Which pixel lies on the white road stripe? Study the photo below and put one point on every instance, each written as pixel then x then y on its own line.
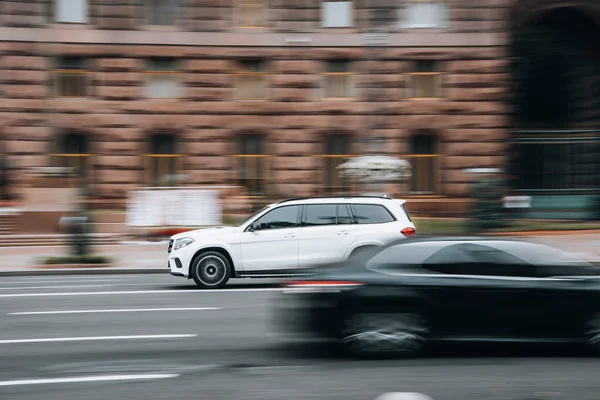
pixel 115 311
pixel 77 286
pixel 95 338
pixel 56 287
pixel 79 379
pixel 54 280
pixel 141 292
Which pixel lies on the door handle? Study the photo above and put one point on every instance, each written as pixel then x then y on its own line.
pixel 345 233
pixel 291 235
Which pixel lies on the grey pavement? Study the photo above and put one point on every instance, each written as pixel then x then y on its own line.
pixel 172 341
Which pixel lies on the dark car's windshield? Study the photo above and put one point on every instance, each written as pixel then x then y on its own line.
pixel 242 222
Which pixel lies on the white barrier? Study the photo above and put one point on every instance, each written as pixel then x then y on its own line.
pixel 151 207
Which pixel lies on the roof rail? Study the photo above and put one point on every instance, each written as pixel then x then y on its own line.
pixel 383 197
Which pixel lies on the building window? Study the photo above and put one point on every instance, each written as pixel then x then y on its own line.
pixel 337 150
pixel 338 80
pixel 71 11
pixel 251 80
pixel 71 77
pixel 424 157
pixel 425 81
pixel 424 14
pixel 251 164
pixel 336 14
pixel 162 160
pixel 71 151
pixel 251 13
pixel 162 12
pixel 163 80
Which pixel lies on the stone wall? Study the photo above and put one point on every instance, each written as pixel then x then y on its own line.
pixel 470 121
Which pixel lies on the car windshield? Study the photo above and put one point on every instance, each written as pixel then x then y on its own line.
pixel 242 222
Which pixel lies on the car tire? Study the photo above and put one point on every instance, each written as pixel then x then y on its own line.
pixel 385 334
pixel 210 270
pixel 592 333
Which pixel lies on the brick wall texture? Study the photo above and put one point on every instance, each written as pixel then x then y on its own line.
pixel 470 120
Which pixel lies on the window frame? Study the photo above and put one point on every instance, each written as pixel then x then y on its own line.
pixel 297 224
pixel 147 8
pixel 150 157
pixel 59 72
pixel 327 157
pixel 240 73
pixel 412 76
pixel 436 168
pixel 241 6
pixel 442 24
pixel 349 83
pixel 54 13
pixel 352 22
pixel 149 73
pixel 60 158
pixel 239 155
pixel 355 218
pixel 337 214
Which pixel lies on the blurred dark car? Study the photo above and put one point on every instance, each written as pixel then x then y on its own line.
pixel 398 299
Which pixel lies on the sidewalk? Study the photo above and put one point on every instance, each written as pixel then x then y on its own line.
pixel 149 257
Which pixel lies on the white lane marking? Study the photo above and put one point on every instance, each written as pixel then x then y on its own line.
pixel 403 396
pixel 77 286
pixel 68 281
pixel 79 379
pixel 95 338
pixel 115 311
pixel 56 287
pixel 141 292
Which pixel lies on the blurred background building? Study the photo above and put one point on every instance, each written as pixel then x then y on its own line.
pixel 270 96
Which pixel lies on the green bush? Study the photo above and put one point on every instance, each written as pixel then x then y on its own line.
pixel 89 259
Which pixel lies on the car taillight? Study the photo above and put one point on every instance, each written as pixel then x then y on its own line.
pixel 408 232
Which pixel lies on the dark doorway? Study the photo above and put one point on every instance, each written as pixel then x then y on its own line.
pixel 555 152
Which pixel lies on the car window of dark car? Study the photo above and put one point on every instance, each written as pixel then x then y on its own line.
pixel 320 214
pixel 279 218
pixel 371 214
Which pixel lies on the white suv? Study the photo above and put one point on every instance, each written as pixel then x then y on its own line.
pixel 288 236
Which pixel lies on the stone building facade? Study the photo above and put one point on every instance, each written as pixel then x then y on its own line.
pixel 268 95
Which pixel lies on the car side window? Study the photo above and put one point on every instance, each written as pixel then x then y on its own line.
pixel 320 214
pixel 480 269
pixel 371 214
pixel 280 218
pixel 343 215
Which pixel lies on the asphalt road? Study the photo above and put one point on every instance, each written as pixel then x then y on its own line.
pixel 158 337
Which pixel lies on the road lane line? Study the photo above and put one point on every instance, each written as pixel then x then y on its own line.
pixel 77 286
pixel 115 311
pixel 57 287
pixel 79 379
pixel 141 292
pixel 69 281
pixel 95 338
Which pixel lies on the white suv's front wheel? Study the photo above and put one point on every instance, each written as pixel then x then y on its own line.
pixel 211 270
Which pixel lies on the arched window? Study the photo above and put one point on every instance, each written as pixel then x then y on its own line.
pixel 251 164
pixel 337 149
pixel 162 160
pixel 424 157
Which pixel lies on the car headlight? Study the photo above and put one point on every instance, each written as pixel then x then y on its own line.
pixel 179 243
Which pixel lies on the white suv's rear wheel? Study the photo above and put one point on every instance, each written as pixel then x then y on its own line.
pixel 211 270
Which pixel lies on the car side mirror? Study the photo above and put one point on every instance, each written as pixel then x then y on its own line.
pixel 255 226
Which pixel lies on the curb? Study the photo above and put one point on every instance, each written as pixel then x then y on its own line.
pixel 84 271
